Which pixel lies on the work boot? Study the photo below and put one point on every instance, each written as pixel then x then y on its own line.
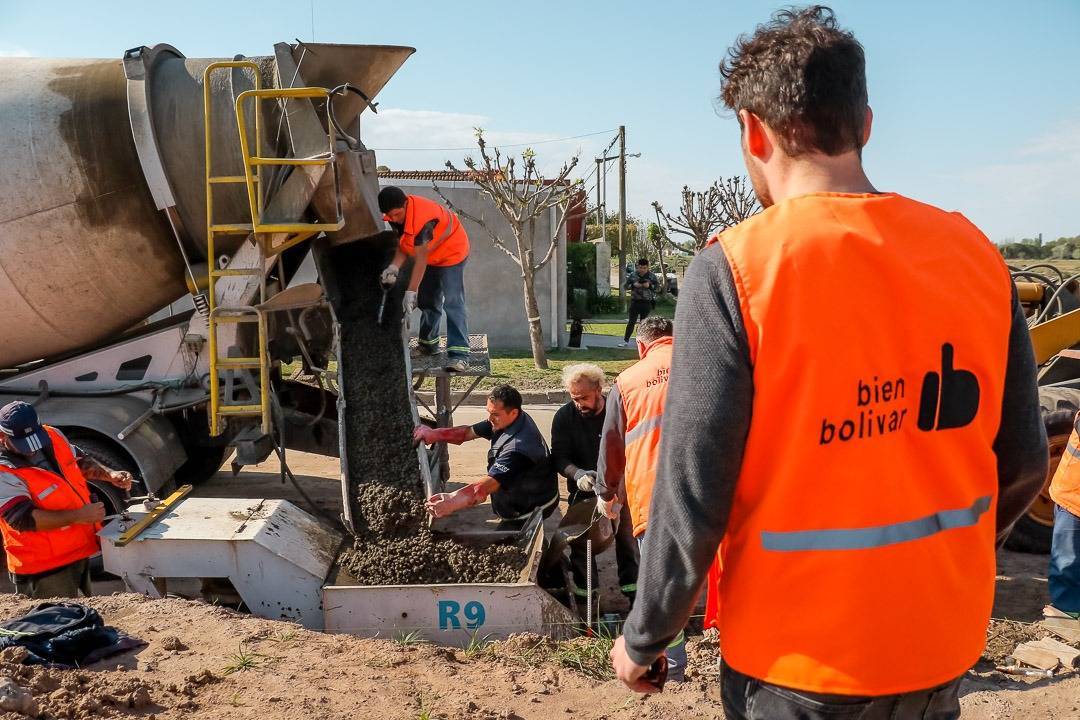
pixel 422 350
pixel 457 364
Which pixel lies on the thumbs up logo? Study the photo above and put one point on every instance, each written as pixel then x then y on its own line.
pixel 949 399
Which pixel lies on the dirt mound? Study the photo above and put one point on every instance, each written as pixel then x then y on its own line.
pixel 206 663
pixel 393 545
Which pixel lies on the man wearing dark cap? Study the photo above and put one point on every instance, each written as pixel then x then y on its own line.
pixel 435 239
pixel 48 518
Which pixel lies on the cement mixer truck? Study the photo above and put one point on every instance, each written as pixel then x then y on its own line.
pixel 188 191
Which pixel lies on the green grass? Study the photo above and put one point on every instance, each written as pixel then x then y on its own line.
pixel 517 367
pixel 242 660
pixel 479 645
pixel 408 639
pixel 586 655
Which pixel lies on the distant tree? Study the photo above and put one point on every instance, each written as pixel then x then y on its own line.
pixel 702 214
pixel 523 195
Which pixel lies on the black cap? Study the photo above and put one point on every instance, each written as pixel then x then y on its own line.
pixel 20 423
pixel 391 198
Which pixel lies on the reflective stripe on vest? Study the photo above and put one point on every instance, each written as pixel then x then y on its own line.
pixel 37 551
pixel 1065 485
pixel 643 391
pixel 875 537
pixel 868 483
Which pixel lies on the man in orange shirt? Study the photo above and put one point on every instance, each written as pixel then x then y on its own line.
pixel 856 432
pixel 435 239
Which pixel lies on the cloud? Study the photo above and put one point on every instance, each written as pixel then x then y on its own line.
pixel 14 51
pixel 1033 190
pixel 426 139
pixel 400 138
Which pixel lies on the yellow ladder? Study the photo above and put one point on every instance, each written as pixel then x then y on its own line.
pixel 264 236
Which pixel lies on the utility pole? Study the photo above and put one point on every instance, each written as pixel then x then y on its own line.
pixel 622 207
pixel 603 202
pixel 599 209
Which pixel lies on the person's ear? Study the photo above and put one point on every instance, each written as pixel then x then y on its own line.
pixel 755 138
pixel 866 126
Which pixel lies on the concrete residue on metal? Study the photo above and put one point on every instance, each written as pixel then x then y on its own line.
pixel 393 545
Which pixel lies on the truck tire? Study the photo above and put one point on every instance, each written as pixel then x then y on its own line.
pixel 1033 532
pixel 114 458
pixel 201 465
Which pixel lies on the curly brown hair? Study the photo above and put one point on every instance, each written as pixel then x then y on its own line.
pixel 804 76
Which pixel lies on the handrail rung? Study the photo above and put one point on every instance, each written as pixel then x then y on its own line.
pixel 221 179
pixel 232 228
pixel 231 272
pixel 239 363
pixel 240 410
pixel 291 161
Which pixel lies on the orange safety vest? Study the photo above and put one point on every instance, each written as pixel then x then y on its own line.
pixel 37 551
pixel 859 555
pixel 1065 485
pixel 449 244
pixel 643 389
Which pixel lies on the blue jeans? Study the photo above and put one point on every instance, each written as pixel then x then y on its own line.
pixel 443 288
pixel 1064 578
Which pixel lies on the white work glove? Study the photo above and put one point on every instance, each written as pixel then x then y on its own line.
pixel 609 508
pixel 585 479
pixel 409 303
pixel 389 275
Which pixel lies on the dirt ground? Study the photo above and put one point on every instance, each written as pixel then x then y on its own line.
pixel 203 661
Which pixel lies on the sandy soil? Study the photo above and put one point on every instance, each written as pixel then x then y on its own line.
pixel 203 661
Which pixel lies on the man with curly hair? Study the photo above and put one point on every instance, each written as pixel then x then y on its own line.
pixel 858 433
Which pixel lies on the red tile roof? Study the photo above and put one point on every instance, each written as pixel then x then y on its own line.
pixel 429 175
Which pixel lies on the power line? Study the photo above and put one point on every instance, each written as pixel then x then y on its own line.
pixel 473 147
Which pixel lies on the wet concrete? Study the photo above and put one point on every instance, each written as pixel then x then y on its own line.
pixel 393 544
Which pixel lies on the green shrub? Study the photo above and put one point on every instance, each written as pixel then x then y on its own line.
pixel 606 305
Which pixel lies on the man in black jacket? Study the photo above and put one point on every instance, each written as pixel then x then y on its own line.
pixel 575 449
pixel 643 286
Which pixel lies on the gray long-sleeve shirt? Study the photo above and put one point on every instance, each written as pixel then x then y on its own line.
pixel 706 423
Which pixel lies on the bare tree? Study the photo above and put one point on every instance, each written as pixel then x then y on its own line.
pixel 702 214
pixel 523 195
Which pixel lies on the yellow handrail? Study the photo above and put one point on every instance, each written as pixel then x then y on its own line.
pixel 211 253
pixel 257 161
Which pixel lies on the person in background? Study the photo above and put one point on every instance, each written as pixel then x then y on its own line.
pixel 643 286
pixel 630 444
pixel 435 239
pixel 575 450
pixel 48 518
pixel 1064 577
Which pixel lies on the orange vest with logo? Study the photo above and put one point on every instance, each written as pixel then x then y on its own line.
pixel 859 555
pixel 1065 485
pixel 643 390
pixel 449 245
pixel 37 551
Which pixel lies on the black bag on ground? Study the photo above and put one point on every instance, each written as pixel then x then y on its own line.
pixel 64 634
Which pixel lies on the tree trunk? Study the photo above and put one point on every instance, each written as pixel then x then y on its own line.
pixel 663 267
pixel 532 312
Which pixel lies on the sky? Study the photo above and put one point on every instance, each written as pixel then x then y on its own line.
pixel 976 104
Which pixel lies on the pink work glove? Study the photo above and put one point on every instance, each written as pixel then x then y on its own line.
pixel 443 504
pixel 430 435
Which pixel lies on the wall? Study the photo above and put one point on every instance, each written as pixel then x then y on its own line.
pixel 603 267
pixel 493 288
